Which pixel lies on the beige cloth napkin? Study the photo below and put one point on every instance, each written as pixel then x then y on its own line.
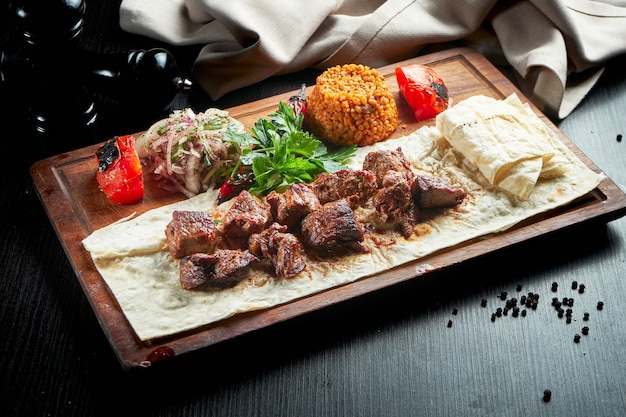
pixel 558 47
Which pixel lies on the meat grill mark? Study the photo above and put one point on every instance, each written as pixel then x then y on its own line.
pixel 221 269
pixel 290 207
pixel 247 215
pixel 345 183
pixel 382 161
pixel 190 232
pixel 283 249
pixel 430 191
pixel 332 229
pixel 394 201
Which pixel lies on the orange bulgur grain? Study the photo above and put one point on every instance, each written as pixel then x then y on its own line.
pixel 351 104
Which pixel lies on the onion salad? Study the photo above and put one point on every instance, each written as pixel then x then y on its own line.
pixel 186 151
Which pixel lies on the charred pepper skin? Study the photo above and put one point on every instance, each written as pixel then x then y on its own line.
pixel 120 174
pixel 107 154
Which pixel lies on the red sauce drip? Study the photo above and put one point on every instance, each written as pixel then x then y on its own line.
pixel 160 353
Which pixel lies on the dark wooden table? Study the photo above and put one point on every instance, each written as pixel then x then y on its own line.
pixel 391 353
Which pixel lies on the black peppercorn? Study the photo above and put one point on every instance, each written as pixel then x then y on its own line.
pixel 586 316
pixel 547 395
pixel 600 305
pixel 581 288
pixel 449 323
pixel 574 285
pixel 585 330
pixel 576 338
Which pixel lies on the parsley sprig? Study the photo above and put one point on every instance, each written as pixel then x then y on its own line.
pixel 280 152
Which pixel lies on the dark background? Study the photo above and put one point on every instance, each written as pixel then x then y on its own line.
pixel 390 353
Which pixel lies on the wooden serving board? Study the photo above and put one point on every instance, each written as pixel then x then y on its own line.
pixel 68 190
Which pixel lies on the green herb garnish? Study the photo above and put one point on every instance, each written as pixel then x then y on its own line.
pixel 281 153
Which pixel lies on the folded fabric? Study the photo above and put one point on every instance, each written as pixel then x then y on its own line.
pixel 558 47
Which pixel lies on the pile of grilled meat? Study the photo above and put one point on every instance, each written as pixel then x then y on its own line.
pixel 316 219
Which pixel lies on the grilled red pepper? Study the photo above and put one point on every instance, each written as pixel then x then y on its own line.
pixel 120 175
pixel 423 89
pixel 236 183
pixel 298 102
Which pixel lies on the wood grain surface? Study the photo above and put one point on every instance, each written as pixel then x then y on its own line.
pixel 68 190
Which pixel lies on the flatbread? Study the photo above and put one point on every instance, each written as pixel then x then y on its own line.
pixel 505 140
pixel 132 257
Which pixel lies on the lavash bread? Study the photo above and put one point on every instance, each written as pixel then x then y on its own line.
pixel 133 259
pixel 510 145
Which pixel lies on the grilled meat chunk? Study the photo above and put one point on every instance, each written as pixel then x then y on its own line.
pixel 291 206
pixel 379 162
pixel 345 183
pixel 394 201
pixel 220 269
pixel 283 249
pixel 430 191
pixel 190 232
pixel 246 216
pixel 286 254
pixel 333 228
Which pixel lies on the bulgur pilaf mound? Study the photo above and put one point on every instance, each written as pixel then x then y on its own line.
pixel 351 104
